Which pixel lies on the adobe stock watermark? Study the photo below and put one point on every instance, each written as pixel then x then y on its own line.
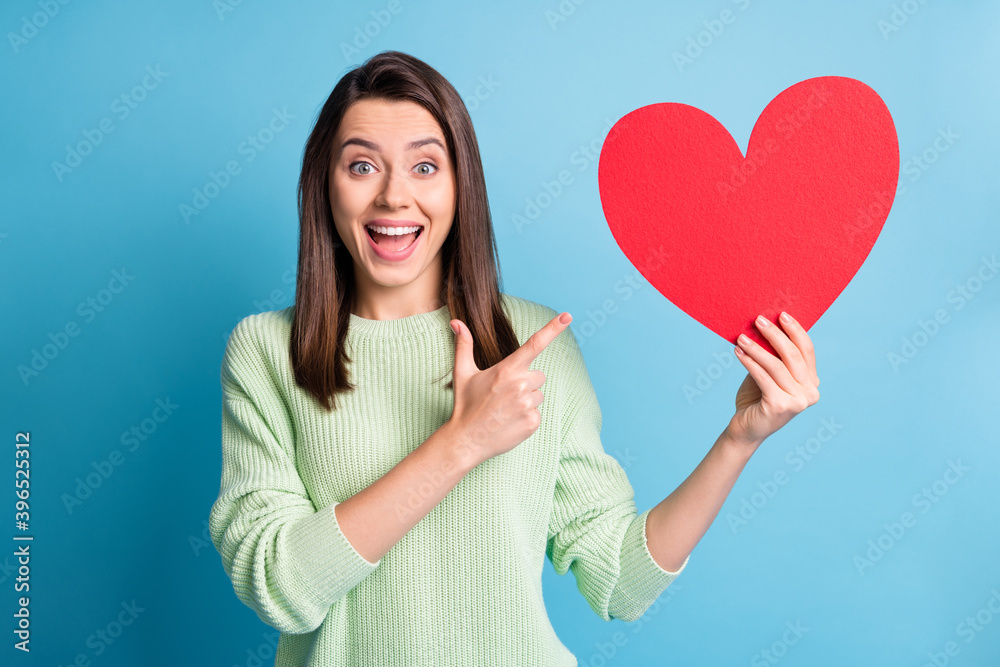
pixel 225 7
pixel 467 446
pixel 779 648
pixel 704 39
pixel 562 12
pixel 705 378
pixel 365 33
pixel 426 489
pixel 121 107
pixel 482 92
pixel 917 165
pixel 583 430
pixel 914 167
pixel 202 540
pixel 625 459
pixel 131 440
pixel 787 125
pixel 264 653
pixel 37 21
pixel 582 158
pixel 900 16
pixel 878 209
pixel 7 569
pixel 606 651
pixel 88 310
pixel 277 299
pixel 967 630
pixel 796 459
pixel 532 552
pixel 104 637
pixel 250 148
pixel 924 500
pixel 593 320
pixel 958 296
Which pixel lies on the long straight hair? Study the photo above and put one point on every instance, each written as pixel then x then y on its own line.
pixel 324 292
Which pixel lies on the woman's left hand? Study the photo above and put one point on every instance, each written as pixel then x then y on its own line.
pixel 775 389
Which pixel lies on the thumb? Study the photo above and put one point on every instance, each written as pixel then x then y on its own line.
pixel 465 364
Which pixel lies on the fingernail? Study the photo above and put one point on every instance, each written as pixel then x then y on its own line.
pixel 762 321
pixel 454 328
pixel 744 339
pixel 565 318
pixel 785 317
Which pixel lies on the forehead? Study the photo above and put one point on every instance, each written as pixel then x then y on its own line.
pixel 388 120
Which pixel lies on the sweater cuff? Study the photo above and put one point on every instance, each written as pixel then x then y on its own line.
pixel 642 579
pixel 322 557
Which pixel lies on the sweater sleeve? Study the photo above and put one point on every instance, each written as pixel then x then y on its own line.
pixel 288 561
pixel 594 529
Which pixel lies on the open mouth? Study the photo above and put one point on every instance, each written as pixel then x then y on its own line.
pixel 394 239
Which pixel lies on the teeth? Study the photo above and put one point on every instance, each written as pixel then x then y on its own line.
pixel 393 231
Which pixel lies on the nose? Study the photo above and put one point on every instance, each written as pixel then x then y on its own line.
pixel 395 190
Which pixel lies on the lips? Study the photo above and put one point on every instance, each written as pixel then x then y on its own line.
pixel 372 233
pixel 388 252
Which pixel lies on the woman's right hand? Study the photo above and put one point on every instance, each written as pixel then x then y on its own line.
pixel 496 409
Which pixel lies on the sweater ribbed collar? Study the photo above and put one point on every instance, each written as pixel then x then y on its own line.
pixel 402 327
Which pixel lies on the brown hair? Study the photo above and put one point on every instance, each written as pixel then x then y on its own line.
pixel 324 292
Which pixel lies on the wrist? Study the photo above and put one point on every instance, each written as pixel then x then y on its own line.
pixel 458 447
pixel 739 443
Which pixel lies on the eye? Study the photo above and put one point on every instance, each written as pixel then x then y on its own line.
pixel 424 172
pixel 363 164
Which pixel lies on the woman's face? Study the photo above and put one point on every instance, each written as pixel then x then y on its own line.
pixel 390 168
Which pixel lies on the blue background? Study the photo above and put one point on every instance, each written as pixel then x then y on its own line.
pixel 553 85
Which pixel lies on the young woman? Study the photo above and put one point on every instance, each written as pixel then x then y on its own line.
pixel 392 477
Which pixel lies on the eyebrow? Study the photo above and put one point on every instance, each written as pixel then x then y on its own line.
pixel 371 145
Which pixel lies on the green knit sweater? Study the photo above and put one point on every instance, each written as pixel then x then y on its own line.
pixel 464 586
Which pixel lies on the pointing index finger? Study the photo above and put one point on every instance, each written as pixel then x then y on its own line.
pixel 524 355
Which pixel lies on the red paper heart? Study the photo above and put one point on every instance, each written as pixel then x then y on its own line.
pixel 726 238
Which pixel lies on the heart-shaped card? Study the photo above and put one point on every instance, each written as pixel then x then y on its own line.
pixel 726 237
